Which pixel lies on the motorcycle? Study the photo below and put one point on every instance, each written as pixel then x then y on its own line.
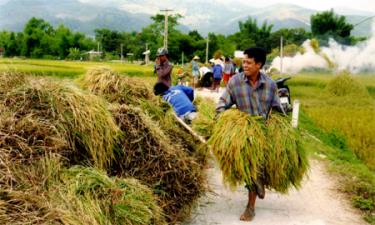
pixel 284 94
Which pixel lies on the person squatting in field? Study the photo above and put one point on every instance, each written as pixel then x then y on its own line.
pixel 180 97
pixel 255 93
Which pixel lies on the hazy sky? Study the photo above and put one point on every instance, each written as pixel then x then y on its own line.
pixel 365 5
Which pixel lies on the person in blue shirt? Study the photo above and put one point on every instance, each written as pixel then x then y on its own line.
pixel 180 97
pixel 217 70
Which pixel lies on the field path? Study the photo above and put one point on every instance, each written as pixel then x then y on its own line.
pixel 317 203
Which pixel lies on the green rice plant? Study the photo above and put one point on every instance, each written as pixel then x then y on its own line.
pixel 355 178
pixel 356 124
pixel 205 120
pixel 286 160
pixel 238 141
pixel 82 118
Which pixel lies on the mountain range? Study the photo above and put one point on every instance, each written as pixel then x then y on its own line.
pixel 131 15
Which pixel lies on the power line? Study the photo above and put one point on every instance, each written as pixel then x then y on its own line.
pixel 364 20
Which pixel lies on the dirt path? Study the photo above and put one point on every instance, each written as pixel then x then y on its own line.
pixel 317 203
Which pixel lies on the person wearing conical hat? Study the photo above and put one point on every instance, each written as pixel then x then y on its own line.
pixel 195 70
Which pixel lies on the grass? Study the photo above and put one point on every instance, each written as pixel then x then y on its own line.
pixel 345 128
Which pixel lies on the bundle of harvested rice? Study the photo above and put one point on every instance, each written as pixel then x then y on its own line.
pixel 205 122
pixel 26 201
pixel 25 139
pixel 78 117
pixel 89 196
pixel 23 207
pixel 145 152
pixel 286 160
pixel 238 142
pixel 113 87
pixel 128 90
pixel 246 149
pixel 345 85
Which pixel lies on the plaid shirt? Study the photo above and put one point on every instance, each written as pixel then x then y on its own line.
pixel 256 100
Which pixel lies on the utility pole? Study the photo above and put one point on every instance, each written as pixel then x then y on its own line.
pixel 182 58
pixel 207 49
pixel 122 55
pixel 147 55
pixel 166 26
pixel 281 55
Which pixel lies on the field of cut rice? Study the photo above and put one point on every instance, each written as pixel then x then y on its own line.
pixel 336 109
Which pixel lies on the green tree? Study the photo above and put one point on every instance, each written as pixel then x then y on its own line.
pixel 290 36
pixel 37 33
pixel 251 34
pixel 109 40
pixel 327 24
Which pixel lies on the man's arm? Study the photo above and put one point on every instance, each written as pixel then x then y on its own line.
pixel 164 70
pixel 225 101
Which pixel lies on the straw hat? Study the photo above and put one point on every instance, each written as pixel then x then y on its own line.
pixel 196 57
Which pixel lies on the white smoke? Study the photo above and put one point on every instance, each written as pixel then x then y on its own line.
pixel 352 58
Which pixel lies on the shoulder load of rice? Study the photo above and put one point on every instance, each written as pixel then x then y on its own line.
pixel 247 148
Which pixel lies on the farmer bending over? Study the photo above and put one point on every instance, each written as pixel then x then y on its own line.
pixel 255 93
pixel 180 97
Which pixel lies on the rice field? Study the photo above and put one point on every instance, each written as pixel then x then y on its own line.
pixel 69 69
pixel 344 124
pixel 340 114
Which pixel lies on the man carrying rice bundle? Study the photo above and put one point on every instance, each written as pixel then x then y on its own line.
pixel 255 93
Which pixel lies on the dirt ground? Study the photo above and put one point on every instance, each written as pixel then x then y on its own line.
pixel 317 203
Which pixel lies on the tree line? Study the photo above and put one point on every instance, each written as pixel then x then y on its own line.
pixel 41 40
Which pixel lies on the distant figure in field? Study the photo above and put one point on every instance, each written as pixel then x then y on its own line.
pixel 217 70
pixel 195 70
pixel 228 70
pixel 163 68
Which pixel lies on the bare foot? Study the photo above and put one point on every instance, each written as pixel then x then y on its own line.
pixel 248 214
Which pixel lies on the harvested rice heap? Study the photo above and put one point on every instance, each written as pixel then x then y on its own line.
pixel 344 85
pixel 46 113
pixel 154 147
pixel 119 89
pixel 147 154
pixel 47 127
pixel 247 148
